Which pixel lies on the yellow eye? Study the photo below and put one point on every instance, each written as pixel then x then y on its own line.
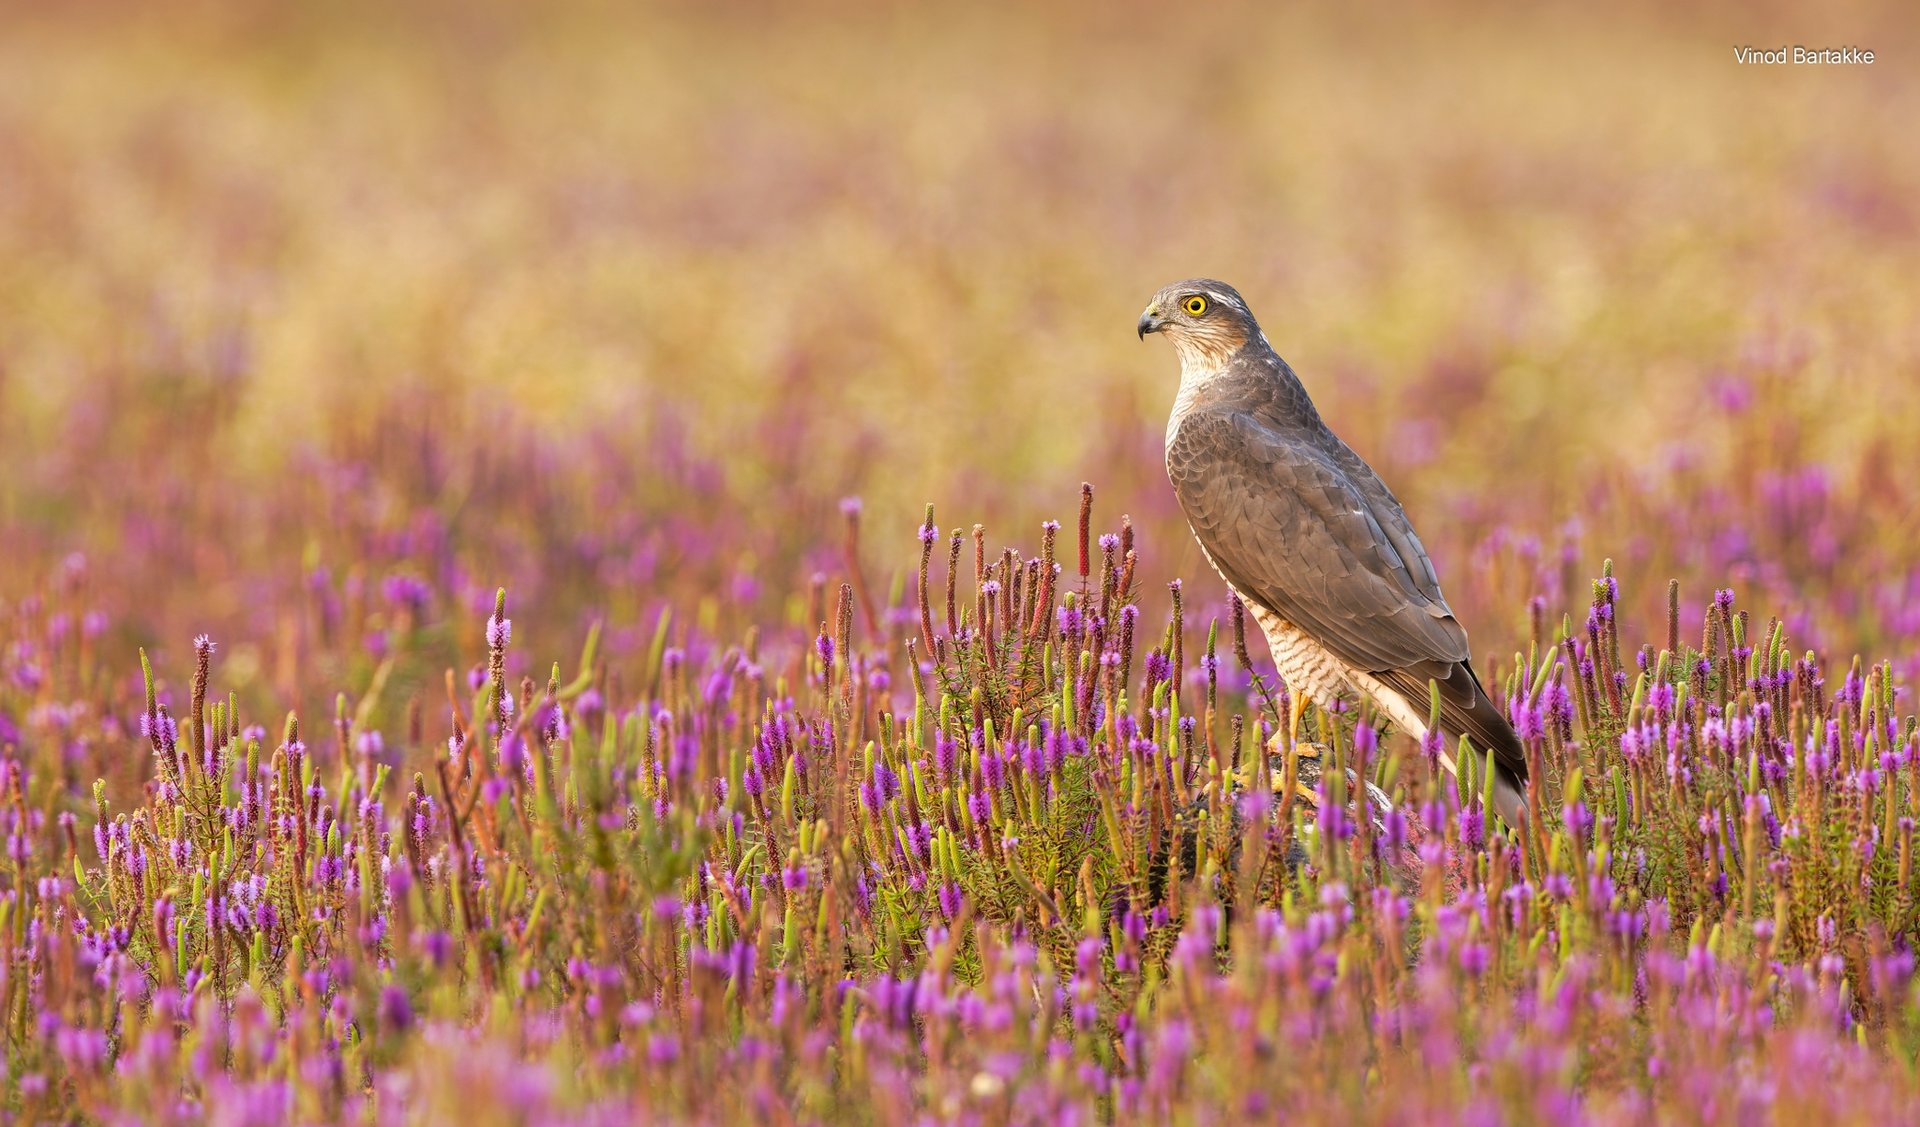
pixel 1196 305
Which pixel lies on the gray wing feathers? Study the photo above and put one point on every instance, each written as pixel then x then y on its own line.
pixel 1287 526
pixel 1325 546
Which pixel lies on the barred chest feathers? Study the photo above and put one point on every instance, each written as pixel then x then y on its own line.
pixel 1311 670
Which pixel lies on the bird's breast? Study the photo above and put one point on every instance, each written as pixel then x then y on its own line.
pixel 1195 380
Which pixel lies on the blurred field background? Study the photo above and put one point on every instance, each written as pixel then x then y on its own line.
pixel 533 292
pixel 318 324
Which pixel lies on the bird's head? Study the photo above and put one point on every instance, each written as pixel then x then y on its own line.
pixel 1206 320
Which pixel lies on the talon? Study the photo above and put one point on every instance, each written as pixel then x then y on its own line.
pixel 1301 749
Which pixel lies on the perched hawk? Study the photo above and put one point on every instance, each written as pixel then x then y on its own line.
pixel 1312 539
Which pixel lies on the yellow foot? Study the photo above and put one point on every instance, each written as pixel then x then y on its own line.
pixel 1307 760
pixel 1304 749
pixel 1304 785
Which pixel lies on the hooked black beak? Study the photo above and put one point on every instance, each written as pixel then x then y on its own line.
pixel 1150 321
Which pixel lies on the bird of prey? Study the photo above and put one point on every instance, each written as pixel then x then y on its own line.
pixel 1311 538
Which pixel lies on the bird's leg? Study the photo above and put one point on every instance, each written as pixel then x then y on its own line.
pixel 1310 745
pixel 1295 776
pixel 1296 708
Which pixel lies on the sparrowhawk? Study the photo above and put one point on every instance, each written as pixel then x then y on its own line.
pixel 1311 538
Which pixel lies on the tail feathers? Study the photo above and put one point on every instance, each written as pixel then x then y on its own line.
pixel 1466 710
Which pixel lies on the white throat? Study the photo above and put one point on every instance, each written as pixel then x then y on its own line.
pixel 1199 368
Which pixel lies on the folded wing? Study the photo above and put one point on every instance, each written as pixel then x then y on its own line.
pixel 1336 557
